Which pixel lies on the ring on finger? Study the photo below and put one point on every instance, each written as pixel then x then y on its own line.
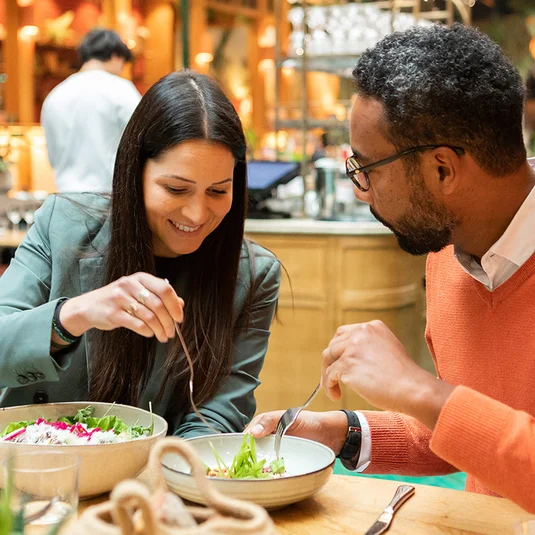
pixel 132 309
pixel 144 294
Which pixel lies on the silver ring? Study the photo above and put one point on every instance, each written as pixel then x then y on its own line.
pixel 143 296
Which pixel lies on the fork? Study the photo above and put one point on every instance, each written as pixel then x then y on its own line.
pixel 288 419
pixel 190 364
pixel 191 377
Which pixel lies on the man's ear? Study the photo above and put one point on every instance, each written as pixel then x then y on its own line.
pixel 446 165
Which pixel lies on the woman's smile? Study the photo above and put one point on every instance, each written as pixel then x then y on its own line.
pixel 186 230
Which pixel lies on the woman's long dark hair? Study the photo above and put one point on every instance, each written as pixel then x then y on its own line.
pixel 181 106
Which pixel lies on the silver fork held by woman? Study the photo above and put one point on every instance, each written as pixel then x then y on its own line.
pixel 288 419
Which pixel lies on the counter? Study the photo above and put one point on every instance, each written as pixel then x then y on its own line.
pixel 363 227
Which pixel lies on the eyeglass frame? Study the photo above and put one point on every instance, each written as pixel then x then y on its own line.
pixel 352 174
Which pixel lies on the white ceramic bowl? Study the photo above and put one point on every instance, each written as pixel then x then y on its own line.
pixel 308 464
pixel 102 466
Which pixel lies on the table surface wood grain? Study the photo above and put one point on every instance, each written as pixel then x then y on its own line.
pixel 350 505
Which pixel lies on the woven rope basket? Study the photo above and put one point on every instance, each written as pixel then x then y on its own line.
pixel 133 510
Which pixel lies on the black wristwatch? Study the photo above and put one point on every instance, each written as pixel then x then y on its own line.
pixel 350 452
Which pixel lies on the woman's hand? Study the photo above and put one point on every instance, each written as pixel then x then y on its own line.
pixel 140 302
pixel 329 428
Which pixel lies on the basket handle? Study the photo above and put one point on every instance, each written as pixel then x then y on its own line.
pixel 124 497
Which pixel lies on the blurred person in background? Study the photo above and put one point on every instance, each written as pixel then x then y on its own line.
pixel 84 116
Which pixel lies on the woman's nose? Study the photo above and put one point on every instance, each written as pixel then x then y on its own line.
pixel 196 211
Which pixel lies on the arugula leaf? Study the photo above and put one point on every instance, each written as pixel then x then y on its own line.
pixel 219 461
pixel 277 466
pixel 245 464
pixel 83 414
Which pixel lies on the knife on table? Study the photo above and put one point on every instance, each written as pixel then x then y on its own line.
pixel 403 493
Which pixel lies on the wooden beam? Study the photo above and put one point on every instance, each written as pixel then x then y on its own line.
pixel 159 46
pixel 197 29
pixel 11 58
pixel 26 78
pixel 109 14
pixel 256 78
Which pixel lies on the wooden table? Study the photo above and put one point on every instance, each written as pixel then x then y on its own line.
pixel 349 505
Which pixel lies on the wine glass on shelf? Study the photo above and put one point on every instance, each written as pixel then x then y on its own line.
pixel 28 214
pixel 14 216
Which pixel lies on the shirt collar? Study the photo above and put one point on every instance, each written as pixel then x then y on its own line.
pixel 517 243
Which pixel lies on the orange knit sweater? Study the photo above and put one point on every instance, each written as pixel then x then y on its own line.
pixel 484 342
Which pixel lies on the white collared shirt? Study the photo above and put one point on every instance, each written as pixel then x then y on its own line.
pixel 498 264
pixel 510 252
pixel 83 119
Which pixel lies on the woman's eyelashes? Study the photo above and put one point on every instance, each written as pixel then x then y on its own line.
pixel 181 191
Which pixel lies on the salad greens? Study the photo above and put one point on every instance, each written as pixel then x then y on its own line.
pixel 245 464
pixel 85 416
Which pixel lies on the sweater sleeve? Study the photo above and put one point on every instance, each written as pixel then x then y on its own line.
pixel 400 445
pixel 490 440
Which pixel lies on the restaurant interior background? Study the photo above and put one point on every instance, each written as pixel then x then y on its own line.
pixel 286 66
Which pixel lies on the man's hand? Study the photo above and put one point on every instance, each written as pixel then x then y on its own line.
pixel 370 360
pixel 329 428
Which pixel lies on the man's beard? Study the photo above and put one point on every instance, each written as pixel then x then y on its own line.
pixel 425 228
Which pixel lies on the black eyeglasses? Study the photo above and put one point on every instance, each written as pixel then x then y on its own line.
pixel 359 173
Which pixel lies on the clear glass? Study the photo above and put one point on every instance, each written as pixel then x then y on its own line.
pixel 44 487
pixel 525 528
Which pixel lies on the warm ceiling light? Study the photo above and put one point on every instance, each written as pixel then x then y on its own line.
pixel 203 57
pixel 131 44
pixel 266 64
pixel 28 31
pixel 24 3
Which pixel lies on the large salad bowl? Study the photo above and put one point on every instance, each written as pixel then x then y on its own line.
pixel 101 465
pixel 308 467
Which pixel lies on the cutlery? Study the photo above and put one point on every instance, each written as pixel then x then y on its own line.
pixel 403 493
pixel 288 418
pixel 191 374
pixel 190 364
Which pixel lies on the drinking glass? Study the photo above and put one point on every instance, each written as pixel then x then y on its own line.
pixel 44 488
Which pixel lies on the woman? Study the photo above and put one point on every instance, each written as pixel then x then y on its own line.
pixel 177 212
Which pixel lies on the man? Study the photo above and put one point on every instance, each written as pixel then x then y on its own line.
pixel 84 116
pixel 436 132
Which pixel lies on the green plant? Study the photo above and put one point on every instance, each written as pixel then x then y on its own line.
pixel 3 166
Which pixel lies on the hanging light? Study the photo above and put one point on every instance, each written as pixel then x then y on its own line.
pixel 27 32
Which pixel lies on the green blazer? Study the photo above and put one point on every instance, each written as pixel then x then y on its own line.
pixel 49 265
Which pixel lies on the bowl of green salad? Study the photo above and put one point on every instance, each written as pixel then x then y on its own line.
pixel 247 469
pixel 112 441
